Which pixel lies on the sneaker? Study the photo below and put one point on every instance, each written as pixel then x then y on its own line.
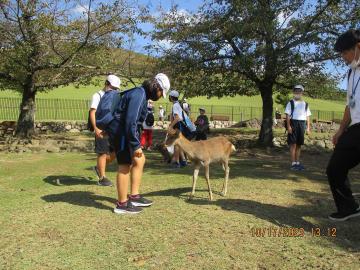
pixel 105 182
pixel 175 165
pixel 126 208
pixel 294 167
pixel 300 167
pixel 183 163
pixel 95 169
pixel 140 201
pixel 342 217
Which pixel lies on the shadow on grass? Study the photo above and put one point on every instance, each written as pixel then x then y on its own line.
pixel 67 180
pixel 80 198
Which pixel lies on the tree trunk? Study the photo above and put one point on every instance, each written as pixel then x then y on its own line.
pixel 26 121
pixel 266 132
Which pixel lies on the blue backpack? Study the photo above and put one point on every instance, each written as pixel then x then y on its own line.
pixel 105 112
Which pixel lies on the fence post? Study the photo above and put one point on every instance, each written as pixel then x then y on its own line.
pixel 333 116
pixel 251 112
pixel 211 111
pixel 318 113
pixel 232 113
pixel 241 116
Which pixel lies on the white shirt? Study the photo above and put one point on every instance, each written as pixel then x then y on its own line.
pixel 299 110
pixel 176 109
pixel 96 99
pixel 161 113
pixel 354 112
pixel 186 107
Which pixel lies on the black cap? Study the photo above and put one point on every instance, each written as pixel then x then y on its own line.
pixel 347 40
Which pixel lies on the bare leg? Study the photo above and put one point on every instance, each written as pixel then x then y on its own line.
pixel 208 181
pixel 293 152
pixel 110 158
pixel 101 164
pixel 136 174
pixel 175 157
pixel 195 176
pixel 122 182
pixel 227 170
pixel 297 153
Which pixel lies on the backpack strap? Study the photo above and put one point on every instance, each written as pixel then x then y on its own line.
pixel 306 106
pixel 349 73
pixel 292 105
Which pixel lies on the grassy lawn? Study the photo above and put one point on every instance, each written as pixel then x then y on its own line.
pixel 85 93
pixel 54 216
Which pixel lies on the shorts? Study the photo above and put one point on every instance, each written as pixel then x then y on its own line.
pixel 121 147
pixel 102 146
pixel 298 132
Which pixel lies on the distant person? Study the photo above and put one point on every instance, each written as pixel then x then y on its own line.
pixel 161 113
pixel 124 136
pixel 298 121
pixel 277 116
pixel 176 117
pixel 147 133
pixel 105 154
pixel 346 154
pixel 186 107
pixel 202 125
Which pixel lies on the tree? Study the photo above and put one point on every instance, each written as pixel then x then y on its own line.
pixel 46 44
pixel 234 47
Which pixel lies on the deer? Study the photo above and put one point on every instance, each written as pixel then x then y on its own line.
pixel 203 153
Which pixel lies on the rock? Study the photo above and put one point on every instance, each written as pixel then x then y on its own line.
pixel 53 149
pixel 68 127
pixel 320 143
pixel 74 130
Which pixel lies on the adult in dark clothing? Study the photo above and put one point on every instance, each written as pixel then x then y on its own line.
pixel 347 139
pixel 202 125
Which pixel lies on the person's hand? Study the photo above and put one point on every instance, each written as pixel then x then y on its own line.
pixel 138 153
pixel 289 130
pixel 99 133
pixel 336 137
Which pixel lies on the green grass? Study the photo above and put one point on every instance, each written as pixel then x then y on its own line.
pixel 71 226
pixel 85 92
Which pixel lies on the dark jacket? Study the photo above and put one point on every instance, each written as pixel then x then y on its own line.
pixel 131 114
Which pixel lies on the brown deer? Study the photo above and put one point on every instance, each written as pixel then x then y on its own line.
pixel 203 153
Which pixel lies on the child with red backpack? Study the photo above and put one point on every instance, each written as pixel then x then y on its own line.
pixel 297 122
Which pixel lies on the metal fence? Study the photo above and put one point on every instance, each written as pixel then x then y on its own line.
pixel 68 109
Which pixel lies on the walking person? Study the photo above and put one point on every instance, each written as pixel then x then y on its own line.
pixel 298 121
pixel 147 132
pixel 346 154
pixel 202 125
pixel 105 154
pixel 161 113
pixel 124 136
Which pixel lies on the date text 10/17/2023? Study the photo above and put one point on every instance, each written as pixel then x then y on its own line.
pixel 291 232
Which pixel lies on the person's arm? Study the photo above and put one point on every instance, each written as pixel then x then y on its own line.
pixel 308 125
pixel 343 125
pixel 175 120
pixel 134 107
pixel 97 131
pixel 289 129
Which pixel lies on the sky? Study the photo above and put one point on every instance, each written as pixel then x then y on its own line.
pixel 140 42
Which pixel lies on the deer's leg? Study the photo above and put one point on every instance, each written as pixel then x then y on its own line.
pixel 207 168
pixel 227 170
pixel 195 176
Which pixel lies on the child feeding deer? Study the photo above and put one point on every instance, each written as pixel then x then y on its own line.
pixel 203 153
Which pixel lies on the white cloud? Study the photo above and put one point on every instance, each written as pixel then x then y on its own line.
pixel 79 9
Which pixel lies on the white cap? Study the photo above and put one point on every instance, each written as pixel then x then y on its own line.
pixel 160 106
pixel 185 99
pixel 202 109
pixel 174 93
pixel 164 83
pixel 299 86
pixel 114 81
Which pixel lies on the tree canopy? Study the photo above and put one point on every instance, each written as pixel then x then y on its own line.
pixel 234 47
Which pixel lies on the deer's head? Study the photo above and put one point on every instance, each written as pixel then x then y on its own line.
pixel 171 136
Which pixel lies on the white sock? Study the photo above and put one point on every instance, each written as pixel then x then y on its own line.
pixel 297 162
pixel 293 163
